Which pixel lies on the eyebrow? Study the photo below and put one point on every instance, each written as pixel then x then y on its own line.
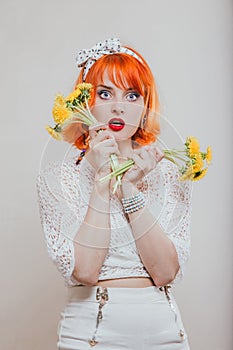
pixel 110 88
pixel 105 86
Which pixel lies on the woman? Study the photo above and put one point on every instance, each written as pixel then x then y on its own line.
pixel 119 253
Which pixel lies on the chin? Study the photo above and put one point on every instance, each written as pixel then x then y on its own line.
pixel 123 134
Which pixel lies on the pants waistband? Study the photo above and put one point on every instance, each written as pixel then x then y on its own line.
pixel 113 294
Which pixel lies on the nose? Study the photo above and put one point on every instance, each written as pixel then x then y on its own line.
pixel 118 108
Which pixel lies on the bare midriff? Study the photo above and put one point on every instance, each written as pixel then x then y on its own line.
pixel 129 282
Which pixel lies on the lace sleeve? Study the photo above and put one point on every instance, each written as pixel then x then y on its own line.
pixel 173 201
pixel 60 213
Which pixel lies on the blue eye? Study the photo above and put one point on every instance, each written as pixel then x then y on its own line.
pixel 132 96
pixel 104 94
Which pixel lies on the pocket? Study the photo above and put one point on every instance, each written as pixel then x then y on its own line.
pixel 172 335
pixel 165 332
pixel 166 340
pixel 176 332
pixel 76 326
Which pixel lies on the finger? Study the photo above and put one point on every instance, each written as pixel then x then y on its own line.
pixel 104 135
pixel 147 158
pixel 159 154
pixel 98 126
pixel 144 154
pixel 106 144
pixel 138 160
pixel 156 151
pixel 93 129
pixel 106 151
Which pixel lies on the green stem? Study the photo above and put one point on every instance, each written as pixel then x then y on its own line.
pixel 83 120
pixel 171 159
pixel 174 151
pixel 114 164
pixel 83 114
pixel 169 153
pixel 118 183
pixel 120 169
pixel 86 111
pixel 89 112
pixel 114 161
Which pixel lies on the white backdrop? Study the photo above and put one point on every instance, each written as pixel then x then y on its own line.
pixel 188 45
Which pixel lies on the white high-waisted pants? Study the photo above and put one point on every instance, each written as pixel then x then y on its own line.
pixel 121 318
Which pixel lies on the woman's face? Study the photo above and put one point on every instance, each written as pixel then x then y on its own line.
pixel 120 109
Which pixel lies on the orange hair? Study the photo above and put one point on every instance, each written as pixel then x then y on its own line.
pixel 124 71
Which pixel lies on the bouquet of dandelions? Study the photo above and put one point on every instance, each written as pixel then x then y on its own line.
pixel 75 109
pixel 194 162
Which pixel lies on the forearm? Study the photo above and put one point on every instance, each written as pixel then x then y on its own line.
pixel 93 237
pixel 156 250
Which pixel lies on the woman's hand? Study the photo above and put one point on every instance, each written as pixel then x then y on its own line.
pixel 145 159
pixel 101 145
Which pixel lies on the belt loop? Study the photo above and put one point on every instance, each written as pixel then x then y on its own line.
pixel 101 297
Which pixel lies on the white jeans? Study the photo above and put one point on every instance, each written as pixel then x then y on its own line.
pixel 121 318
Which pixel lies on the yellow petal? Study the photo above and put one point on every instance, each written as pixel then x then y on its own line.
pixel 73 95
pixel 188 175
pixel 198 165
pixel 209 155
pixel 193 146
pixel 56 135
pixel 59 100
pixel 199 175
pixel 60 113
pixel 85 86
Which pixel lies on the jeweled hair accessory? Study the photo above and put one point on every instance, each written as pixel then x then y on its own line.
pixel 87 57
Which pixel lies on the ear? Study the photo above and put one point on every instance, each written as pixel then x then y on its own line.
pixel 143 121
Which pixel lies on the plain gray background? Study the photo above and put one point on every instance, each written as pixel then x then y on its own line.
pixel 188 45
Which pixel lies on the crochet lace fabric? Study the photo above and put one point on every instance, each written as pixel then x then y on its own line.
pixel 64 191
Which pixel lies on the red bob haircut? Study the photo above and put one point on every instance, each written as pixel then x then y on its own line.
pixel 124 71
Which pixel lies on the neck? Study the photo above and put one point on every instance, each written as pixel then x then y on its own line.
pixel 125 148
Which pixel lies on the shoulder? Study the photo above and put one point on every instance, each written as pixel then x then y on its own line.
pixel 167 169
pixel 169 177
pixel 56 174
pixel 65 179
pixel 62 168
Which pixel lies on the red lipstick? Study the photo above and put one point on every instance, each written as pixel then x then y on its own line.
pixel 116 124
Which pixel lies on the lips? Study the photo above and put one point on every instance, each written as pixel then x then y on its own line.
pixel 116 124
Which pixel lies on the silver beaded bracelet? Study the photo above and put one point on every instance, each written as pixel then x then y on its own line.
pixel 133 203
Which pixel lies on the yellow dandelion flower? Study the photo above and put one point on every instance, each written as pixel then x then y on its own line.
pixel 60 114
pixel 56 135
pixel 209 154
pixel 188 175
pixel 60 111
pixel 60 100
pixel 193 146
pixel 73 95
pixel 199 175
pixel 85 86
pixel 198 165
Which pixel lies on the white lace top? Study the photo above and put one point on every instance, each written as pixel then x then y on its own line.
pixel 64 190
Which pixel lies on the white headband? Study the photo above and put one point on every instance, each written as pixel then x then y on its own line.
pixel 87 57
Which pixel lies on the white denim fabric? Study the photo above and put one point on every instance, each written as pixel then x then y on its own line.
pixel 132 318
